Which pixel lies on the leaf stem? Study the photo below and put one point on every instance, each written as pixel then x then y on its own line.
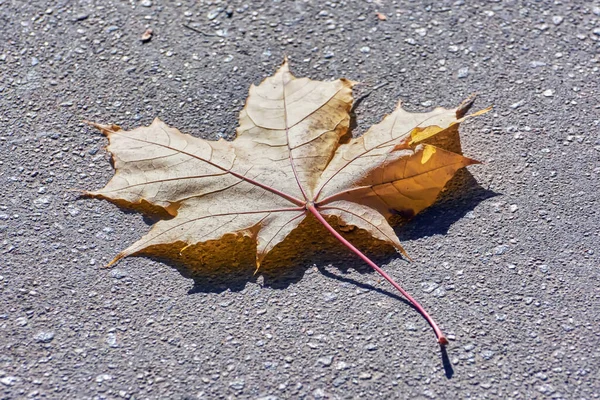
pixel 440 336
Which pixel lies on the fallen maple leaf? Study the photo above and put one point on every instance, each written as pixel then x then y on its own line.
pixel 291 159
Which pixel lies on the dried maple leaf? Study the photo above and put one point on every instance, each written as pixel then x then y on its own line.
pixel 291 159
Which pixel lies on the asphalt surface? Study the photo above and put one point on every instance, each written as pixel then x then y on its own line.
pixel 507 262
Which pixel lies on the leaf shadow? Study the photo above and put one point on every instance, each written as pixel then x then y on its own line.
pixel 448 369
pixel 463 193
pixel 308 247
pixel 447 365
pixel 325 272
pixel 312 246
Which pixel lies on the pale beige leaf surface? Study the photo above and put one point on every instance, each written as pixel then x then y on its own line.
pixel 287 118
pixel 287 156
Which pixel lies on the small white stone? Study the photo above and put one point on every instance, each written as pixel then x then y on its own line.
pixel 517 104
pixel 428 287
pixel 237 384
pixel 341 366
pixel 9 380
pixel 548 93
pixel 103 377
pixel 463 72
pixel 325 361
pixel 557 19
pixel 421 31
pixel 364 376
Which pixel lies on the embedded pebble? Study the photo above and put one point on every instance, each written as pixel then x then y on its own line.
pixel 499 250
pixel 421 31
pixel 428 287
pixel 9 380
pixel 212 14
pixel 329 297
pixel 548 93
pixel 73 210
pixel 371 347
pixel 118 273
pixel 42 202
pixel 463 72
pixel 341 366
pixel 557 19
pixel 103 377
pixel 546 389
pixel 111 340
pixel 44 337
pixel 536 64
pixel 339 381
pixel 517 104
pixel 226 303
pixel 364 376
pixel 325 361
pixel 237 384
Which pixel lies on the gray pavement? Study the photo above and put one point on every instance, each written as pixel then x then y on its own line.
pixel 507 262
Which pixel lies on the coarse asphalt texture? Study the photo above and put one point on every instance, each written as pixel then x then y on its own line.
pixel 507 262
